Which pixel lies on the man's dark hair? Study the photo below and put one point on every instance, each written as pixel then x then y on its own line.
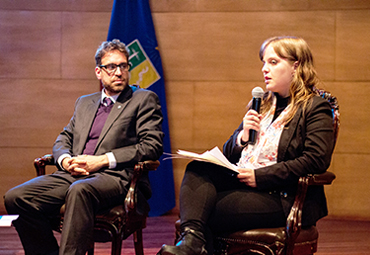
pixel 108 46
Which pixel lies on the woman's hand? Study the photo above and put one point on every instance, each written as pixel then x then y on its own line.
pixel 247 176
pixel 251 120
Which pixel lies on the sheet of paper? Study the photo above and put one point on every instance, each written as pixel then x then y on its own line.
pixel 216 152
pixel 6 220
pixel 214 156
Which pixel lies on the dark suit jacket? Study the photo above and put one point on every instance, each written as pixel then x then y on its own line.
pixel 132 131
pixel 305 147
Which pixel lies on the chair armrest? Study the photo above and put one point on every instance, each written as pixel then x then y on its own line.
pixel 294 220
pixel 130 201
pixel 321 179
pixel 40 163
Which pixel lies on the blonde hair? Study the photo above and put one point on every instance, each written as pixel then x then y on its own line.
pixel 293 49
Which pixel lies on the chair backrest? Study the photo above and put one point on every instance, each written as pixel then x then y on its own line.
pixel 334 108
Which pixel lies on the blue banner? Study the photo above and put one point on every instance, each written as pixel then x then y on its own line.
pixel 131 22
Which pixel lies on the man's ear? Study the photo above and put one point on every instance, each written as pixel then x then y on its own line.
pixel 98 72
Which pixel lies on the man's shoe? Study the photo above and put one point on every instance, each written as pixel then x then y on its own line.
pixel 191 243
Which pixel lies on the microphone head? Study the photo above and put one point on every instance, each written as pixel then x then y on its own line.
pixel 257 92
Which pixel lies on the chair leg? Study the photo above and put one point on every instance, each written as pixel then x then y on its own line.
pixel 220 248
pixel 138 242
pixel 116 245
pixel 90 251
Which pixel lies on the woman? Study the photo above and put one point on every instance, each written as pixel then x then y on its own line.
pixel 295 138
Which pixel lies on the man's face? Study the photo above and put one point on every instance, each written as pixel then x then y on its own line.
pixel 116 80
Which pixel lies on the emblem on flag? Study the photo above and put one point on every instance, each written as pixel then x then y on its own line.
pixel 142 71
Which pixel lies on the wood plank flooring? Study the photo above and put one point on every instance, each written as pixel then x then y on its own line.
pixel 337 237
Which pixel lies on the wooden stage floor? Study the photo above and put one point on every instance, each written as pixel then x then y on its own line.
pixel 337 237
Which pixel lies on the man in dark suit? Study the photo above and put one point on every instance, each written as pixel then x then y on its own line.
pixel 95 153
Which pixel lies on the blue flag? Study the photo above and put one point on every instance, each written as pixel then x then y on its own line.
pixel 131 22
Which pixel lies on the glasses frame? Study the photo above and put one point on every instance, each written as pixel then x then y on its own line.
pixel 122 68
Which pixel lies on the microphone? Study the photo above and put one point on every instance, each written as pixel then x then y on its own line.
pixel 257 94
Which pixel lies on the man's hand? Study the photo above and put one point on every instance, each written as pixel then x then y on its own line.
pixel 85 164
pixel 247 176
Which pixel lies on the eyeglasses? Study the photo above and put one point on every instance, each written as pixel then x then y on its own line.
pixel 112 68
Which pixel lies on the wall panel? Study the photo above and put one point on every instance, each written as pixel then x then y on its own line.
pixel 17 167
pixel 224 46
pixel 33 112
pixel 58 5
pixel 180 104
pixel 348 196
pixel 352 54
pixel 82 34
pixel 251 6
pixel 339 5
pixel 30 44
pixel 219 110
pixel 354 135
pixel 255 5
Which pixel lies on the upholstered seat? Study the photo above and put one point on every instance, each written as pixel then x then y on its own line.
pixel 291 239
pixel 271 241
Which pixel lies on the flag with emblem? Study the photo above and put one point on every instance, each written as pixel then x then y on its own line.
pixel 142 70
pixel 131 22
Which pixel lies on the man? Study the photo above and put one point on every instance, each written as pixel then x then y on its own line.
pixel 95 154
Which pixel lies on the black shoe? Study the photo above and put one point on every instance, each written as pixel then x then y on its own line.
pixel 191 243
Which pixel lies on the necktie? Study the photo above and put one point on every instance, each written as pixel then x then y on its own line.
pixel 107 102
pixel 97 126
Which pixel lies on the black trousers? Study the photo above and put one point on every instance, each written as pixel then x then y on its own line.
pixel 41 198
pixel 213 201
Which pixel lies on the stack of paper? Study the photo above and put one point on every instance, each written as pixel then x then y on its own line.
pixel 214 156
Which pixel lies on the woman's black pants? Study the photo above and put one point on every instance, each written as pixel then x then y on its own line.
pixel 213 200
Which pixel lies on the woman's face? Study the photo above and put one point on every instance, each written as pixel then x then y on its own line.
pixel 277 71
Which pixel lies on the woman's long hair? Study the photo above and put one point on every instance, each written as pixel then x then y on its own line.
pixel 305 79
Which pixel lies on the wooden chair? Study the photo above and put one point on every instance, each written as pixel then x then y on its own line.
pixel 291 239
pixel 288 240
pixel 119 222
